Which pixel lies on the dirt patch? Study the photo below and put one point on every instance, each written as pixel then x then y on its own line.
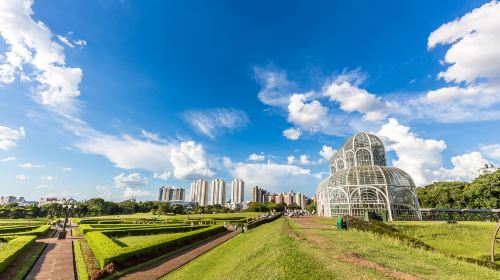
pixel 356 259
pixel 308 222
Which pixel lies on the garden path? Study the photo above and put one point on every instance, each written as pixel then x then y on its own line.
pixel 56 261
pixel 168 265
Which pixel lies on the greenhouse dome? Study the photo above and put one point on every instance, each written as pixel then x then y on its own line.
pixel 360 181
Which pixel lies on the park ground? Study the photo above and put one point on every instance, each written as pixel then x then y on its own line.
pixel 311 247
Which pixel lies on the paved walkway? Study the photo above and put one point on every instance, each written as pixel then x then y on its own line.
pixel 56 261
pixel 166 266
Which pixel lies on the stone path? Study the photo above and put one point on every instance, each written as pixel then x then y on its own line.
pixel 168 265
pixel 56 261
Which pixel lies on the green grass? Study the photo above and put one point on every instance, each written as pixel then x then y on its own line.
pixel 138 239
pixel 278 251
pixel 469 239
pixel 267 252
pixel 81 265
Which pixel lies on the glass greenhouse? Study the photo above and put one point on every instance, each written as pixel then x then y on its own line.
pixel 360 181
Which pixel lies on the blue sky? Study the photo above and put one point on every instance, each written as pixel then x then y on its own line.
pixel 113 99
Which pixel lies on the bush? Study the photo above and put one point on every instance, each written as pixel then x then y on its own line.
pixel 263 221
pixel 116 233
pixel 37 231
pixel 14 247
pixel 16 229
pixel 97 227
pixel 106 251
pixel 81 266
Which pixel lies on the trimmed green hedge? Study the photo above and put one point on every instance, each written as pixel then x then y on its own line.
pixel 37 231
pixel 81 265
pixel 263 221
pixel 13 248
pixel 106 251
pixel 15 229
pixel 117 233
pixel 89 228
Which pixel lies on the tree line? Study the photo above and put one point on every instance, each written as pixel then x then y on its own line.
pixel 483 192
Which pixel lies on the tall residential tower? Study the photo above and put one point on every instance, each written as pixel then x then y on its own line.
pixel 199 192
pixel 237 191
pixel 218 192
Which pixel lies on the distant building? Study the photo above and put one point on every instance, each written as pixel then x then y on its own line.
pixel 218 192
pixel 169 194
pixel 288 198
pixel 237 191
pixel 487 169
pixel 199 192
pixel 300 200
pixel 258 194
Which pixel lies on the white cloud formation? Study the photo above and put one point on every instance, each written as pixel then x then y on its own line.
pixel 473 69
pixel 30 165
pixel 256 157
pixel 131 180
pixel 9 137
pixel 351 98
pixel 276 88
pixel 43 186
pixel 216 121
pixel 48 178
pixel 292 133
pixel 306 115
pixel 22 177
pixel 327 152
pixel 189 161
pixel 129 193
pixel 163 175
pixel 30 47
pixel 419 157
pixel 491 151
pixel 465 168
pixel 7 159
pixel 67 169
pixel 422 158
pixel 275 177
pixel 302 159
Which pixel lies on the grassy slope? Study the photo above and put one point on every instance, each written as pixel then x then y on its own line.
pixel 471 239
pixel 268 252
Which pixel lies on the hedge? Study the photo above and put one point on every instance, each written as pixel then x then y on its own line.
pixel 89 228
pixel 15 229
pixel 37 231
pixel 117 233
pixel 81 265
pixel 263 221
pixel 13 248
pixel 106 251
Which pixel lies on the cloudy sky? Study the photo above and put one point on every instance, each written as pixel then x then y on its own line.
pixel 116 98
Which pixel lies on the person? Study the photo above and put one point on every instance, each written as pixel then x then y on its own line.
pixel 225 225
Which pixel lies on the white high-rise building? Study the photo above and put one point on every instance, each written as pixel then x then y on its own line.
pixel 199 192
pixel 300 200
pixel 237 191
pixel 218 192
pixel 171 194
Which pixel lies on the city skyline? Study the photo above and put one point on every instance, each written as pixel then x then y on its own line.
pixel 115 99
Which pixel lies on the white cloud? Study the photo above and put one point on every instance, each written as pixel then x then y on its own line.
pixel 302 159
pixel 22 177
pixel 306 115
pixel 327 152
pixel 189 161
pixel 465 168
pixel 354 99
pixel 30 43
pixel 292 133
pixel 43 186
pixel 162 176
pixel 7 159
pixel 133 179
pixel 48 178
pixel 30 165
pixel 216 121
pixel 9 137
pixel 129 193
pixel 276 89
pixel 419 157
pixel 256 157
pixel 65 41
pixel 491 151
pixel 67 169
pixel 275 177
pixel 104 192
pixel 473 68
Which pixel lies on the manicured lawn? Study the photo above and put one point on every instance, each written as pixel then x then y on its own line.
pixel 280 251
pixel 470 239
pixel 135 240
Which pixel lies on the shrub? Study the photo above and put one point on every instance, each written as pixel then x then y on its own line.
pixel 37 231
pixel 14 247
pixel 263 221
pixel 81 266
pixel 106 251
pixel 15 229
pixel 116 233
